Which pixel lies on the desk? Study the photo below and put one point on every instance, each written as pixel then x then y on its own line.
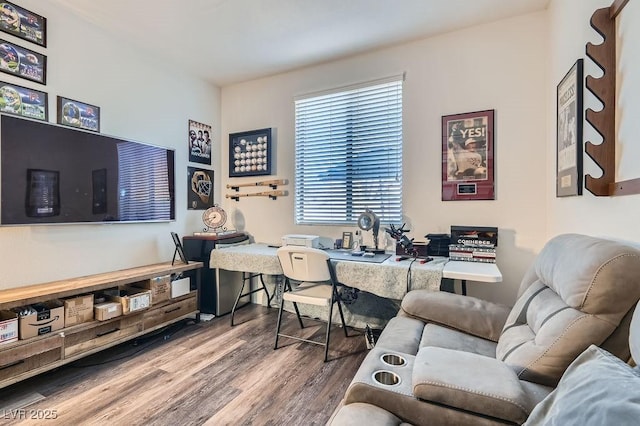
pixel 383 283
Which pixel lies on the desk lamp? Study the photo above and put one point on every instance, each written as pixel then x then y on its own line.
pixel 370 221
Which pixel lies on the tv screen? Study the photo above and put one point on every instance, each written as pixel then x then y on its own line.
pixel 51 174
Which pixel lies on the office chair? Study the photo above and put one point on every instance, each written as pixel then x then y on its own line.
pixel 312 270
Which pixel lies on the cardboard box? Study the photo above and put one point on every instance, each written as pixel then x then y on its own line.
pixel 8 327
pixel 48 318
pixel 160 288
pixel 78 310
pixel 180 287
pixel 132 299
pixel 107 310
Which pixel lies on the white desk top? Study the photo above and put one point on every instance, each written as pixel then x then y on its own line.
pixel 472 271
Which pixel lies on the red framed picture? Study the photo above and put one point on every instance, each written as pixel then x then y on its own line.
pixel 468 156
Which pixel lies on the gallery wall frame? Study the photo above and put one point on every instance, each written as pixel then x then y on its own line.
pixel 22 62
pixel 200 188
pixel 468 167
pixel 23 23
pixel 250 153
pixel 569 109
pixel 199 142
pixel 23 101
pixel 78 114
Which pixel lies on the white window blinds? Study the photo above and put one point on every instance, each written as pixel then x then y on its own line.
pixel 349 154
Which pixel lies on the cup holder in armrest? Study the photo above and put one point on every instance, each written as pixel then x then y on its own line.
pixel 386 378
pixel 393 359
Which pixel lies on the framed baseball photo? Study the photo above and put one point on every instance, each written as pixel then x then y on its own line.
pixel 468 156
pixel 569 133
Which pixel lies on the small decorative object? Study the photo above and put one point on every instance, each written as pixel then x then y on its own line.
pixel 370 221
pixel 78 114
pixel 22 62
pixel 199 142
pixel 569 133
pixel 214 218
pixel 467 156
pixel 23 101
pixel 200 189
pixel 250 153
pixel 271 194
pixel 179 249
pixel 23 23
pixel 347 238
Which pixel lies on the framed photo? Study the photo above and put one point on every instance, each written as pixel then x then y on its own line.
pixel 569 132
pixel 347 240
pixel 199 142
pixel 22 62
pixel 22 23
pixel 200 189
pixel 250 153
pixel 78 114
pixel 179 249
pixel 23 101
pixel 468 156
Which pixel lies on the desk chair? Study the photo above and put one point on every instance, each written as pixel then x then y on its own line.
pixel 312 270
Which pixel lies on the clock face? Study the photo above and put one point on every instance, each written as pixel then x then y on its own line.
pixel 214 217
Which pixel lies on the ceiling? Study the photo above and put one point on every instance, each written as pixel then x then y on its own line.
pixel 229 41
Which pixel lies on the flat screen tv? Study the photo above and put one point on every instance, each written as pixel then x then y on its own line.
pixel 51 174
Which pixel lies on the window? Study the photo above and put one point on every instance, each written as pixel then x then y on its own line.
pixel 349 154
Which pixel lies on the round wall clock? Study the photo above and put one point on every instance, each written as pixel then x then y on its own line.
pixel 215 218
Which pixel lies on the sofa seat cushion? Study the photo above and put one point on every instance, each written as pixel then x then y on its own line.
pixel 473 383
pixel 597 388
pixel 443 337
pixel 358 414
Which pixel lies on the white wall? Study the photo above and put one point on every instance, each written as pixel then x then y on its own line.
pixel 501 66
pixel 140 99
pixel 614 217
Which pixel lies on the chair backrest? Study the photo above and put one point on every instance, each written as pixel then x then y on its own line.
pixel 304 263
pixel 580 291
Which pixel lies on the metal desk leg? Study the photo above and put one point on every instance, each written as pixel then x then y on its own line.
pixel 247 276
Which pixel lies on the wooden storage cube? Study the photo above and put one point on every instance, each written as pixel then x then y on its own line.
pixel 19 358
pixel 78 309
pixel 169 312
pixel 8 327
pixel 89 338
pixel 160 288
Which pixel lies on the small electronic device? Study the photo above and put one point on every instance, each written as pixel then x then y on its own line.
pixel 312 241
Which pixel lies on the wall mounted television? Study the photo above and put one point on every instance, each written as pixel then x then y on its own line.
pixel 51 174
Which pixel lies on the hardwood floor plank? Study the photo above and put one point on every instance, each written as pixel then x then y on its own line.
pixel 205 373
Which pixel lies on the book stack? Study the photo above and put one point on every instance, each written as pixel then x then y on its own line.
pixel 473 244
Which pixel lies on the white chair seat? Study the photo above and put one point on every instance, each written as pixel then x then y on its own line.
pixel 312 294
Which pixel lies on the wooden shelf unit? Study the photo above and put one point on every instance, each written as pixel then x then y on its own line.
pixel 27 358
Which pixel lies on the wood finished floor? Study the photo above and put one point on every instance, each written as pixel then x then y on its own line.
pixel 203 374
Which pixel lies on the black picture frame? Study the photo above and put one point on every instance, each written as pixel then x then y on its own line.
pixel 200 142
pixel 250 153
pixel 22 62
pixel 468 154
pixel 199 188
pixel 570 112
pixel 179 249
pixel 23 101
pixel 23 23
pixel 347 240
pixel 78 114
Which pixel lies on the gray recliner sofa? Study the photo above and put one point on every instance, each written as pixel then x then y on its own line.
pixel 448 359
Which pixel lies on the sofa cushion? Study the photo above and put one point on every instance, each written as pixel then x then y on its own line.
pixel 634 336
pixel 597 388
pixel 401 334
pixel 358 414
pixel 473 383
pixel 443 337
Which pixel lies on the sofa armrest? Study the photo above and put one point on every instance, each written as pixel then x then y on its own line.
pixel 468 314
pixel 474 383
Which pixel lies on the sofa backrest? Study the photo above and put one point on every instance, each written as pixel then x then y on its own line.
pixel 577 293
